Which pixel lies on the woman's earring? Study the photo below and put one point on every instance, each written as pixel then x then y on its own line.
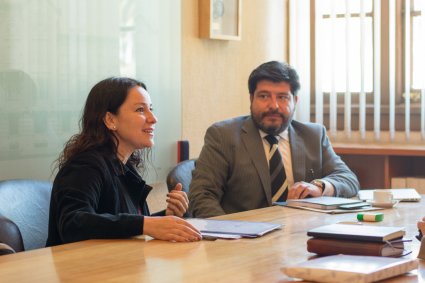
pixel 114 127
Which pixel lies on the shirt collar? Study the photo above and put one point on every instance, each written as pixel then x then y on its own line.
pixel 283 135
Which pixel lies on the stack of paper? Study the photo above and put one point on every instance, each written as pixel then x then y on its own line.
pixel 325 203
pixel 232 229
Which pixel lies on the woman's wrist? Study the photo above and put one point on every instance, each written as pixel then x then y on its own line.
pixel 147 225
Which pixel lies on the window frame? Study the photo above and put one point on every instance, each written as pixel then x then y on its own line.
pixel 384 77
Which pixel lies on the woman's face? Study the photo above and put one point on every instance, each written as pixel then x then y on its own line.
pixel 134 122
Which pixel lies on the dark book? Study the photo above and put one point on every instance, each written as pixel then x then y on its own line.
pixel 322 246
pixel 325 203
pixel 371 233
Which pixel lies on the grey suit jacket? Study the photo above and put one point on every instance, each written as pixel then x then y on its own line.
pixel 232 175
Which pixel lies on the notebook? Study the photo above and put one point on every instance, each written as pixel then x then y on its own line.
pixel 363 232
pixel 407 194
pixel 232 228
pixel 322 246
pixel 326 203
pixel 350 268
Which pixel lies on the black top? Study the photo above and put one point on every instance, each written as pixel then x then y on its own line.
pixel 95 196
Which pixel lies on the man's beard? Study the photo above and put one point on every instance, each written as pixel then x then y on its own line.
pixel 273 129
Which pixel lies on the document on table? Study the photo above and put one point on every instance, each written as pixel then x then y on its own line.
pixel 329 211
pixel 232 229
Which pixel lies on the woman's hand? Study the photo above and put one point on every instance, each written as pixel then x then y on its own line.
pixel 170 228
pixel 177 202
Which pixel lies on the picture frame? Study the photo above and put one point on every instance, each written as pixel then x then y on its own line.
pixel 220 19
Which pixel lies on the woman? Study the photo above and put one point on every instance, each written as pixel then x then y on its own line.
pixel 97 192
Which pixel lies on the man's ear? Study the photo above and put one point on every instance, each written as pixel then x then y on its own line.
pixel 110 121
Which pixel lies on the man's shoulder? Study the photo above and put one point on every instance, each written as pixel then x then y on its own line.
pixel 307 126
pixel 236 122
pixel 232 121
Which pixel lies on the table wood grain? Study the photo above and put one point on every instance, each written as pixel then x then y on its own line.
pixel 244 260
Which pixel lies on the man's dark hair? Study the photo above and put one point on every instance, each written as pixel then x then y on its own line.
pixel 276 72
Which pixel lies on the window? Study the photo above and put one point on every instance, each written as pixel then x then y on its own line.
pixel 333 38
pixel 418 46
pixel 365 55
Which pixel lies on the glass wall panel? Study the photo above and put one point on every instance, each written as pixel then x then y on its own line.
pixel 52 53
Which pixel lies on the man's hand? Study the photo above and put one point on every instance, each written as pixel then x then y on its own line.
pixel 177 202
pixel 303 190
pixel 421 226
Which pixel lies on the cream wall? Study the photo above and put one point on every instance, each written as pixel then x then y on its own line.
pixel 215 72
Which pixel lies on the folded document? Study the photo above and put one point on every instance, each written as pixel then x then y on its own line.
pixel 232 229
pixel 325 203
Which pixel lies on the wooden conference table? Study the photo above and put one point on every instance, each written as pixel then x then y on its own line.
pixel 244 260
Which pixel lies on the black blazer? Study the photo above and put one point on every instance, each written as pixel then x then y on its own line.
pixel 95 196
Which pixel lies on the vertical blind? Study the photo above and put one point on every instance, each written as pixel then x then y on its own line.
pixel 337 75
pixel 421 49
pixel 392 71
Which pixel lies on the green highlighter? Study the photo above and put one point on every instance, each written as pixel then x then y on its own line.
pixel 372 217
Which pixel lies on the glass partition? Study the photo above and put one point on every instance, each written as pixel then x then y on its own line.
pixel 53 51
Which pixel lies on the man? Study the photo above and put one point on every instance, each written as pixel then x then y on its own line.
pixel 250 162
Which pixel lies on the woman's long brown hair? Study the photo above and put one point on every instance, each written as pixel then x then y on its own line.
pixel 106 96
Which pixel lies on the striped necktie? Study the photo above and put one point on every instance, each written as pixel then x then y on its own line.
pixel 277 171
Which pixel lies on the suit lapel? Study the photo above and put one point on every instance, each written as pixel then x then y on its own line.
pixel 254 146
pixel 297 152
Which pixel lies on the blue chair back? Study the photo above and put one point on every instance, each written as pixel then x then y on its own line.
pixel 181 173
pixel 25 204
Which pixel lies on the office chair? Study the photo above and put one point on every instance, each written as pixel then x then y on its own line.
pixel 24 211
pixel 5 249
pixel 10 237
pixel 181 173
pixel 10 234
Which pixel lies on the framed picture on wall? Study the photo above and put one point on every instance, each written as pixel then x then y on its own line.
pixel 220 19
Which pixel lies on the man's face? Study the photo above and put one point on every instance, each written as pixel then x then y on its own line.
pixel 273 106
